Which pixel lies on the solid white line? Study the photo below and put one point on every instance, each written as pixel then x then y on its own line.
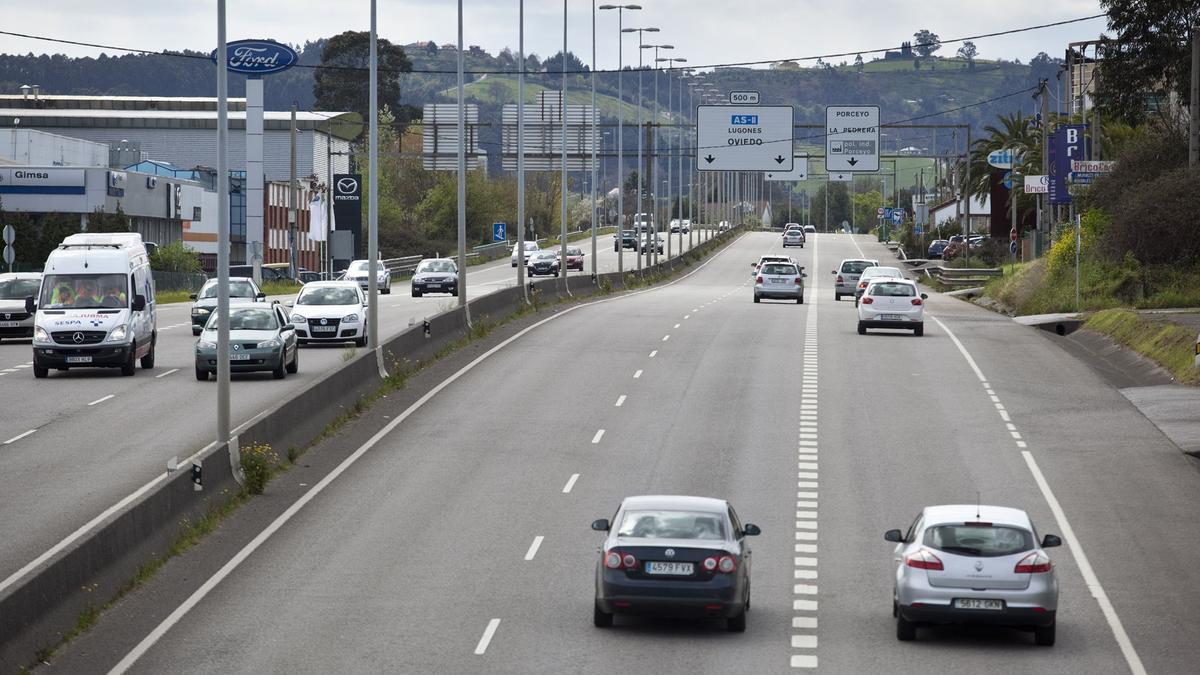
pixel 853 241
pixel 1085 568
pixel 637 374
pixel 653 353
pixel 620 400
pixel 23 365
pixel 961 349
pixel 598 436
pixel 102 399
pixel 533 548
pixel 570 483
pixel 487 636
pixel 18 437
pixel 173 370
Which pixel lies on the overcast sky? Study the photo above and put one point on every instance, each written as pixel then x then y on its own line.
pixel 703 31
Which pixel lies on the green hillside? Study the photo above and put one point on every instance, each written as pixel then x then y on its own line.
pixel 502 89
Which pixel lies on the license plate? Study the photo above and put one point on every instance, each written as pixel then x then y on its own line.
pixel 323 329
pixel 239 357
pixel 433 285
pixel 890 317
pixel 978 603
pixel 9 324
pixel 79 359
pixel 669 568
pixel 779 281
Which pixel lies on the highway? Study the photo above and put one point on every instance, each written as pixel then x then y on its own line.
pixel 459 541
pixel 76 443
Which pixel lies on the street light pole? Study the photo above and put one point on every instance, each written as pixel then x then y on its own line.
pixel 562 265
pixel 620 246
pixel 223 425
pixel 652 254
pixel 462 171
pixel 594 140
pixel 520 247
pixel 640 169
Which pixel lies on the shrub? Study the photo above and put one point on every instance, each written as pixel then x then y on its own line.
pixel 258 460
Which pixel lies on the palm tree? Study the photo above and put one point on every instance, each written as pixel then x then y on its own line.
pixel 1014 132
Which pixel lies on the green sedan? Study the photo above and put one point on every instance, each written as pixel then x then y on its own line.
pixel 260 338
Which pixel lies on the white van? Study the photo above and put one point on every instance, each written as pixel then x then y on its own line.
pixel 96 305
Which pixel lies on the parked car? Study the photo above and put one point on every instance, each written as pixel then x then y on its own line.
pixel 435 275
pixel 892 303
pixel 529 249
pixel 974 564
pixel 874 273
pixel 360 272
pixel 674 556
pixel 15 322
pixel 331 311
pixel 625 239
pixel 204 301
pixel 543 262
pixel 847 275
pixel 574 258
pixel 261 337
pixel 784 281
pixel 954 247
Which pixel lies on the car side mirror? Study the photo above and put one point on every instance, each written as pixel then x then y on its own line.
pixel 804 274
pixel 893 535
pixel 600 525
pixel 289 303
pixel 192 296
pixel 924 297
pixel 751 530
pixel 261 295
pixel 833 272
pixel 139 303
pixel 365 304
pixel 196 330
pixel 29 305
pixel 1050 541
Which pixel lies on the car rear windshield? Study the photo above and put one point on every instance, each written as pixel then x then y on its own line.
pixel 779 269
pixel 84 290
pixel 574 250
pixel 248 319
pixel 237 289
pixel 892 290
pixel 881 272
pixel 436 266
pixel 328 296
pixel 18 289
pixel 672 525
pixel 979 539
pixel 856 266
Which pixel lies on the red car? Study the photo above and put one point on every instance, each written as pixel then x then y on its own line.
pixel 574 259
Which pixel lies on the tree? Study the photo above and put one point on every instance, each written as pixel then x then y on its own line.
pixel 927 42
pixel 341 81
pixel 175 257
pixel 553 64
pixel 967 51
pixel 1150 55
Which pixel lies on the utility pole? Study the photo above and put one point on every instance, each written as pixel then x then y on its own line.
pixel 1043 225
pixel 520 247
pixel 1194 143
pixel 293 199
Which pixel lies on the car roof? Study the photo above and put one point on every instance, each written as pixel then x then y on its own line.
pixel 673 502
pixel 425 260
pixel 334 283
pixel 870 260
pixel 871 281
pixel 959 513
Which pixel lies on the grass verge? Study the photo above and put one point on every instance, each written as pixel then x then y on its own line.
pixel 1170 345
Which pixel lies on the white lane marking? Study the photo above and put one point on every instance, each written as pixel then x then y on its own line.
pixel 1010 426
pixel 852 240
pixel 23 365
pixel 995 399
pixel 686 317
pixel 637 374
pixel 666 337
pixel 804 622
pixel 802 561
pixel 173 370
pixel 654 353
pixel 678 325
pixel 1015 435
pixel 570 483
pixel 18 437
pixel 101 399
pixel 1085 568
pixel 620 400
pixel 804 641
pixel 598 436
pixel 1004 415
pixel 804 605
pixel 487 636
pixel 200 593
pixel 1068 534
pixel 533 548
pixel 804 661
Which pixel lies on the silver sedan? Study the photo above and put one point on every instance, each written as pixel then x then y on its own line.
pixel 974 564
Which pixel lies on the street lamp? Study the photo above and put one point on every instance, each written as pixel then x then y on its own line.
pixel 652 254
pixel 640 32
pixel 671 112
pixel 620 128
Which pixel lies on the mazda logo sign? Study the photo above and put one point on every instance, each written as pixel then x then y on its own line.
pixel 347 186
pixel 77 338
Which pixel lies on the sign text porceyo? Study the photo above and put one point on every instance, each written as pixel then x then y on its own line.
pixel 852 138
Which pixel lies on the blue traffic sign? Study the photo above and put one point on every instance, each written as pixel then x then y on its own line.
pixel 499 232
pixel 918 230
pixel 897 216
pixel 1008 181
pixel 1012 247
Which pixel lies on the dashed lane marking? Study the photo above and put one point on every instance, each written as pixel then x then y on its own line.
pixel 533 548
pixel 637 374
pixel 620 400
pixel 598 436
pixel 102 399
pixel 570 483
pixel 18 437
pixel 486 639
pixel 160 376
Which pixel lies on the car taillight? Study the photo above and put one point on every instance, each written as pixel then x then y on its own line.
pixel 1034 563
pixel 924 560
pixel 862 284
pixel 839 279
pixel 867 300
pixel 758 280
pixel 799 280
pixel 916 301
pixel 629 561
pixel 710 564
pixel 726 564
pixel 612 560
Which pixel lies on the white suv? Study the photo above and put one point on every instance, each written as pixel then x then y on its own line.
pixel 892 303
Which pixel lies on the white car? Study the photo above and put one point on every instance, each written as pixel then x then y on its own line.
pixel 686 226
pixel 360 272
pixel 892 303
pixel 330 311
pixel 772 258
pixel 531 247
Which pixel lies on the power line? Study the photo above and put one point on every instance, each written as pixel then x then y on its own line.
pixel 197 56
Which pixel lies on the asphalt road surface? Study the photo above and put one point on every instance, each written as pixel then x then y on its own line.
pixel 460 543
pixel 76 443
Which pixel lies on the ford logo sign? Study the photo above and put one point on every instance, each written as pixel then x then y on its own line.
pixel 258 57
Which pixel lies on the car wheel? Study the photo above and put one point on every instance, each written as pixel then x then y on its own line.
pixel 202 374
pixel 800 300
pixel 736 624
pixel 905 629
pixel 454 292
pixel 416 293
pixel 862 328
pixel 361 342
pixel 856 301
pixel 601 618
pixel 919 330
pixel 40 371
pixel 756 299
pixel 281 370
pixel 294 366
pixel 130 366
pixel 148 359
pixel 1044 635
pixel 837 297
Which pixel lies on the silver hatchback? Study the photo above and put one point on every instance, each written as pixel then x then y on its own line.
pixel 974 564
pixel 784 281
pixel 847 275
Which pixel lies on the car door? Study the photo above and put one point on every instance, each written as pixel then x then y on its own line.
pixel 288 336
pixel 743 541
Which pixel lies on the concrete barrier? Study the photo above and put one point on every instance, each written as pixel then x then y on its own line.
pixel 37 612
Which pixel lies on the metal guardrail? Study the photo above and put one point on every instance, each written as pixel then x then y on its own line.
pixel 960 276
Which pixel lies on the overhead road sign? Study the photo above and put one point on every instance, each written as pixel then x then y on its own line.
pixel 743 97
pixel 1003 159
pixel 744 138
pixel 852 138
pixel 841 177
pixel 799 170
pixel 1037 185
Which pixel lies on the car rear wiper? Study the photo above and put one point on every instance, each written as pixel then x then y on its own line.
pixel 961 549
